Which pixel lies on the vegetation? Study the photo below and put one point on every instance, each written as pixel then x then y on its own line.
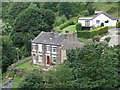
pixel 92 33
pixel 108 39
pixel 8 52
pixel 94 66
pixel 67 23
pixel 78 27
pixel 70 28
pixel 118 24
pixel 32 80
pixel 88 67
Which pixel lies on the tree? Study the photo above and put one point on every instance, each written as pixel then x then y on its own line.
pixel 50 5
pixel 8 52
pixel 65 9
pixel 15 8
pixel 78 26
pixel 90 8
pixel 60 20
pixel 29 23
pixel 35 20
pixel 33 80
pixel 94 67
pixel 59 77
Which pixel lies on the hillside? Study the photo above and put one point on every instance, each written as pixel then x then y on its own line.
pixel 110 8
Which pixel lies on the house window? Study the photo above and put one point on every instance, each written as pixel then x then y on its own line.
pixel 54 49
pixel 40 58
pixel 34 47
pixel 107 21
pixel 97 21
pixel 48 48
pixel 54 59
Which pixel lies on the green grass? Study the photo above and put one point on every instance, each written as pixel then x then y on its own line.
pixel 71 29
pixel 112 27
pixel 17 81
pixel 24 65
pixel 27 66
pixel 4 77
pixel 84 40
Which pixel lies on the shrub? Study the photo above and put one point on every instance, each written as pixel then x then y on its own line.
pixel 108 39
pixel 67 23
pixel 118 24
pixel 78 26
pixel 60 20
pixel 92 33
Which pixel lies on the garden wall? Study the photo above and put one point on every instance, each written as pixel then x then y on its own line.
pixel 21 61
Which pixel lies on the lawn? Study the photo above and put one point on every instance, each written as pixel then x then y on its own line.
pixel 27 66
pixel 71 29
pixel 18 78
pixel 17 81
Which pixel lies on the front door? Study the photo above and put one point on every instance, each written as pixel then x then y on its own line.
pixel 48 60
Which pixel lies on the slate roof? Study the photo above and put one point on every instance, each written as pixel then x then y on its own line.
pixel 68 41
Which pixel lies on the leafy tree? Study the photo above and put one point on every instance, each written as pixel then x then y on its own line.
pixel 65 9
pixel 50 5
pixel 93 69
pixel 78 26
pixel 90 8
pixel 59 77
pixel 8 52
pixel 35 21
pixel 33 80
pixel 23 42
pixel 5 9
pixel 60 20
pixel 15 8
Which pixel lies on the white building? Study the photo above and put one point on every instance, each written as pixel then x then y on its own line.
pixel 97 19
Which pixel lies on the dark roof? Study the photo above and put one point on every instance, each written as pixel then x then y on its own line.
pixel 105 15
pixel 72 45
pixel 68 41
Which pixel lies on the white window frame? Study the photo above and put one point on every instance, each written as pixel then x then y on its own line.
pixel 97 21
pixel 40 58
pixel 48 48
pixel 40 47
pixel 54 47
pixel 53 60
pixel 33 47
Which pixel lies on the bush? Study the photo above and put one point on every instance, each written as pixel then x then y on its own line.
pixel 108 39
pixel 78 26
pixel 67 23
pixel 60 20
pixel 92 33
pixel 118 24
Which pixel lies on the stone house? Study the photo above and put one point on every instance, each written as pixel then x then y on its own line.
pixel 50 48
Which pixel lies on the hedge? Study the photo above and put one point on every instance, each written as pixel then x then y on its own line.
pixel 92 33
pixel 67 23
pixel 118 24
pixel 78 26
